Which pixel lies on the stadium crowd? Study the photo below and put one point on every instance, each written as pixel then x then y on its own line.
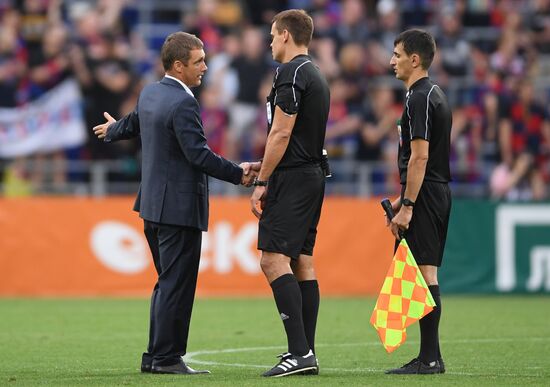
pixel 493 62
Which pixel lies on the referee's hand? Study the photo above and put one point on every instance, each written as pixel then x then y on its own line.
pixel 257 200
pixel 401 221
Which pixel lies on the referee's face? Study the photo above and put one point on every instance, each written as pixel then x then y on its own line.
pixel 401 63
pixel 277 44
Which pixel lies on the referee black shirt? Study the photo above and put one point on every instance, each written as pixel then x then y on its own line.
pixel 426 115
pixel 299 87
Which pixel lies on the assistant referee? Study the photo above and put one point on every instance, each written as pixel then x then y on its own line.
pixel 425 202
pixel 290 188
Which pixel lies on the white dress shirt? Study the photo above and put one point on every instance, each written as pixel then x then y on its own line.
pixel 187 89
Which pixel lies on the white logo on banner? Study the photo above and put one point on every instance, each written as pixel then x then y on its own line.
pixel 507 218
pixel 222 248
pixel 120 247
pixel 540 268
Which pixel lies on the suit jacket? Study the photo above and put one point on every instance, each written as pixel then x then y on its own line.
pixel 175 156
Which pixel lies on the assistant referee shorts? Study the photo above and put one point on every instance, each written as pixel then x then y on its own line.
pixel 292 210
pixel 427 231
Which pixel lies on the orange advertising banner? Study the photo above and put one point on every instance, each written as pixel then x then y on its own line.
pixel 88 247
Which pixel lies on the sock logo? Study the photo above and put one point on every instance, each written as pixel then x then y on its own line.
pixel 284 317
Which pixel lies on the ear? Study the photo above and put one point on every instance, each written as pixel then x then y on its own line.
pixel 178 66
pixel 286 35
pixel 415 60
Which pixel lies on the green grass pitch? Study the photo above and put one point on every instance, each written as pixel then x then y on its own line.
pixel 500 340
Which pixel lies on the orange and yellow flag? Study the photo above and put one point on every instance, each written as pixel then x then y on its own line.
pixel 404 299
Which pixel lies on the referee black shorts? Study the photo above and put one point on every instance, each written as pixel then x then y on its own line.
pixel 427 231
pixel 292 210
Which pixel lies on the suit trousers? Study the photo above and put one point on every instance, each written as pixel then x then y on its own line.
pixel 176 254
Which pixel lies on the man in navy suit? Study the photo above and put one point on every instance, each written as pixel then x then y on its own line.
pixel 173 196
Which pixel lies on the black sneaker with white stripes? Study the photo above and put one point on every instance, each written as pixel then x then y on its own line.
pixel 292 365
pixel 314 371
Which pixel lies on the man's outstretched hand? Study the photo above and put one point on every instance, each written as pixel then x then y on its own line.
pixel 101 130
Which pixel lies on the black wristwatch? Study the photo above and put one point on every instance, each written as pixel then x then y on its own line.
pixel 259 183
pixel 407 202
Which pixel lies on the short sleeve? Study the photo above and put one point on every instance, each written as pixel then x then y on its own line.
pixel 420 113
pixel 289 85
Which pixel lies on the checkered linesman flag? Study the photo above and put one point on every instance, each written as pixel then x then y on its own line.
pixel 404 299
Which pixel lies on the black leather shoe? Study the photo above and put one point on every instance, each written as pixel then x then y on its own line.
pixel 146 362
pixel 416 367
pixel 178 368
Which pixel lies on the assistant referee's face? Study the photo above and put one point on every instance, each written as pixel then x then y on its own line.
pixel 401 63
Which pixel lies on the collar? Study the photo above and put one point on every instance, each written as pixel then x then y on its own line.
pixel 418 82
pixel 187 89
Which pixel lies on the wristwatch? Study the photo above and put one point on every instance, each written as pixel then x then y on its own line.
pixel 407 202
pixel 259 183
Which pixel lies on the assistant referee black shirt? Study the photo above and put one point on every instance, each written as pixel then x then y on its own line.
pixel 299 87
pixel 426 115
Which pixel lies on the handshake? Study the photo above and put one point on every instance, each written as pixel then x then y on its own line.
pixel 250 172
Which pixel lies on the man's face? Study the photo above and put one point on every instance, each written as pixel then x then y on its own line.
pixel 277 43
pixel 193 71
pixel 401 63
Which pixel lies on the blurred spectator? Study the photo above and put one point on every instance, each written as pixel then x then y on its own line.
pixel 214 118
pixel 524 135
pixel 260 13
pixel 13 66
pixel 538 20
pixel 352 66
pixel 220 74
pixel 251 66
pixel 454 50
pixel 35 17
pixel 342 123
pixel 105 74
pixel 51 65
pixel 380 45
pixel 353 26
pixel 15 180
pixel 324 52
pixel 377 137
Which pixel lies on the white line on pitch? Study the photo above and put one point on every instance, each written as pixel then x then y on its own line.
pixel 190 356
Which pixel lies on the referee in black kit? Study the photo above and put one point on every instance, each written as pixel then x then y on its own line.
pixel 425 202
pixel 290 188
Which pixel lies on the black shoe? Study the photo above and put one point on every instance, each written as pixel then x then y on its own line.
pixel 178 368
pixel 146 362
pixel 441 365
pixel 291 365
pixel 314 371
pixel 417 367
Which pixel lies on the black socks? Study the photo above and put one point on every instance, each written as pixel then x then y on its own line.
pixel 288 298
pixel 429 330
pixel 310 309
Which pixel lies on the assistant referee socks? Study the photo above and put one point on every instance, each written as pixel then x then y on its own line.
pixel 429 330
pixel 288 298
pixel 310 309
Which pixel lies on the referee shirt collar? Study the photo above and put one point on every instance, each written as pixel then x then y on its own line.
pixel 419 82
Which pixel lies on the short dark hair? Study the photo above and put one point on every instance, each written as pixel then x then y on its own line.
pixel 418 42
pixel 178 46
pixel 298 23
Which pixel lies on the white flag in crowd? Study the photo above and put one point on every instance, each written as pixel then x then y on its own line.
pixel 54 121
